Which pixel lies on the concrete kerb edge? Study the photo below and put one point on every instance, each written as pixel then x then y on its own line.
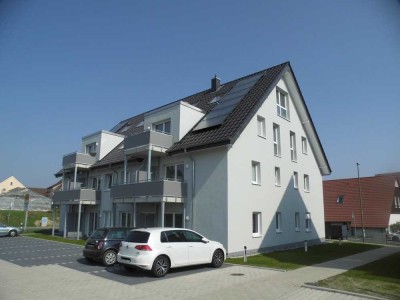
pixel 256 267
pixel 311 286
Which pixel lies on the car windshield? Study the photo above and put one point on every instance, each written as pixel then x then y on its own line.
pixel 138 237
pixel 98 234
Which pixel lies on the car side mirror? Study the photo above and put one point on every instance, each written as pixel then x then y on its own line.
pixel 204 240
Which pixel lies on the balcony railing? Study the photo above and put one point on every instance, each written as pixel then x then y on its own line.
pixel 78 158
pixel 163 188
pixel 139 142
pixel 89 196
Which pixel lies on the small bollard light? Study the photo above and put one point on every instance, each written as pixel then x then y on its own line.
pixel 245 254
pixel 305 246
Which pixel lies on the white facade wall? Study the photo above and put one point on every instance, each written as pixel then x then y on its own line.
pixel 244 198
pixel 210 214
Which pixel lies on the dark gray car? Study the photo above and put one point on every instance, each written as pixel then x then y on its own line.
pixel 103 244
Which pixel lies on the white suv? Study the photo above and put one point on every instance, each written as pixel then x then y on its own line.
pixel 159 249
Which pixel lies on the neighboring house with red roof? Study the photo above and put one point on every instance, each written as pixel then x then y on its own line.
pixel 351 204
pixel 240 162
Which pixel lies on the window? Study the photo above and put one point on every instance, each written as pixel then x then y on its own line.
pixel 295 180
pixel 282 104
pixel 306 183
pixel 175 172
pixel 277 140
pixel 261 126
pixel 293 152
pixel 278 222
pixel 297 221
pixel 108 181
pixel 164 126
pixel 96 183
pixel 91 149
pixel 304 145
pixel 256 224
pixel 256 176
pixel 340 199
pixel 308 222
pixel 277 176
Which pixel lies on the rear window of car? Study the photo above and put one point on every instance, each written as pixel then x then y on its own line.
pixel 138 237
pixel 99 234
pixel 117 234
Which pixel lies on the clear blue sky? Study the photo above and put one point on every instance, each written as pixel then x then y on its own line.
pixel 69 68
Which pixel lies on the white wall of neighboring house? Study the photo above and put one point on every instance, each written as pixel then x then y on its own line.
pixel 9 184
pixel 244 198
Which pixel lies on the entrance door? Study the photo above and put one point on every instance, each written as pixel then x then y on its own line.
pixel 146 220
pixel 126 219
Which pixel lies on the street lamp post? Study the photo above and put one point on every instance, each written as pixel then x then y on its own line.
pixel 361 203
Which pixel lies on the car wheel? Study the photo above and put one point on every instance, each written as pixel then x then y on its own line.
pixel 217 258
pixel 109 258
pixel 161 266
pixel 12 233
pixel 395 238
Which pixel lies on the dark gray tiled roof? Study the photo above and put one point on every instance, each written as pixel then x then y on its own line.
pixel 227 132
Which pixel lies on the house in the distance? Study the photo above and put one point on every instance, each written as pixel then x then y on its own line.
pixel 9 184
pixel 372 203
pixel 240 162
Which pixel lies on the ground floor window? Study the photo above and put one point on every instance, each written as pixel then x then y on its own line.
pixel 173 220
pixel 256 224
pixel 308 222
pixel 92 222
pixel 126 219
pixel 278 222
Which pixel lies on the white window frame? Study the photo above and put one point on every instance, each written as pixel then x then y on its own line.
pixel 282 104
pixel 256 222
pixel 308 221
pixel 293 151
pixel 297 221
pixel 277 176
pixel 255 173
pixel 295 180
pixel 278 221
pixel 91 149
pixel 261 127
pixel 306 183
pixel 175 166
pixel 165 129
pixel 304 147
pixel 276 139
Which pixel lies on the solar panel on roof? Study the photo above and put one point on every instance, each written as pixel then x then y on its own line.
pixel 227 103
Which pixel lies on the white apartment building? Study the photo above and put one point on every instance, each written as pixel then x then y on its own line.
pixel 240 162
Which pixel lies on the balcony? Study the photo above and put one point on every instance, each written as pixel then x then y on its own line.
pixel 85 196
pixel 70 160
pixel 160 188
pixel 158 141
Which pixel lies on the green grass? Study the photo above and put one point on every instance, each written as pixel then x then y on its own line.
pixel 380 278
pixel 16 217
pixel 298 258
pixel 46 235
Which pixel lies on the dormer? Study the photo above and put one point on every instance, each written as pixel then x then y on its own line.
pixel 100 143
pixel 175 119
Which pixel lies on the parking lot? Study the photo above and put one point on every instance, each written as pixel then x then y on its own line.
pixel 30 252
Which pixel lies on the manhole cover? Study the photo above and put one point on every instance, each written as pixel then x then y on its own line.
pixel 237 274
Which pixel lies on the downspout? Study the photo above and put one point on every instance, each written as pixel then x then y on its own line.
pixel 193 189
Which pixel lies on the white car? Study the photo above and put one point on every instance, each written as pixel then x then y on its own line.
pixel 159 249
pixel 9 230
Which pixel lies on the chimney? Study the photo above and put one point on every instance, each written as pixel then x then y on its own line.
pixel 215 83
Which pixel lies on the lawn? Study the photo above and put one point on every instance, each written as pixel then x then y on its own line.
pixel 298 258
pixel 46 235
pixel 380 278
